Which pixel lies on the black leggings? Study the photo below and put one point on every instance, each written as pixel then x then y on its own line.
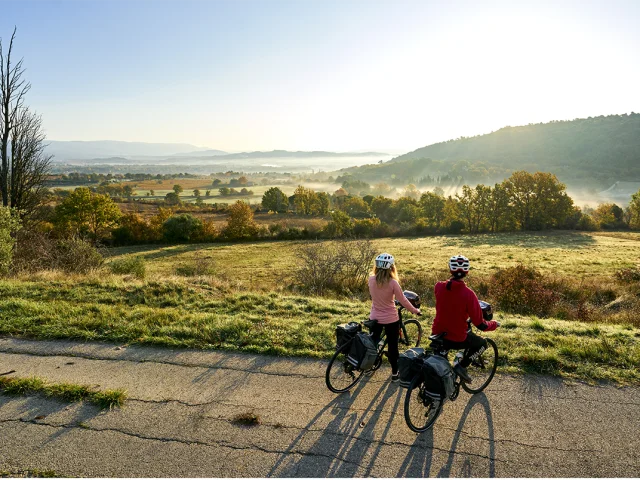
pixel 391 330
pixel 473 342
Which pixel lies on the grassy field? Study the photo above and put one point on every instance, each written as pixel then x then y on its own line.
pixel 246 304
pixel 565 253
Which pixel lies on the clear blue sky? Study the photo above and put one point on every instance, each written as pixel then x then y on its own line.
pixel 311 74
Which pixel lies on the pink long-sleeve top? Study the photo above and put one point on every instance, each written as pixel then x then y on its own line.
pixel 382 307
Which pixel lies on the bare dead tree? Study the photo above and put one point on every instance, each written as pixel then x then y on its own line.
pixel 24 164
pixel 13 89
pixel 29 163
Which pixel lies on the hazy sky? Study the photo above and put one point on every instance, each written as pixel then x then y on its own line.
pixel 317 74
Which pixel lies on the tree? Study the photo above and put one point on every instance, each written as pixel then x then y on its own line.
pixel 634 211
pixel 356 207
pixel 432 208
pixel 172 198
pixel 152 193
pixel 473 205
pixel 539 200
pixel 87 213
pixel 216 182
pixel 207 193
pixel 240 222
pixel 340 225
pixel 182 228
pixel 305 201
pixel 24 165
pixel 323 203
pixel 29 164
pixel 451 215
pixel 275 200
pixel 381 207
pixel 243 180
pixel 196 193
pixel 178 189
pixel 411 191
pixel 224 191
pixel 499 210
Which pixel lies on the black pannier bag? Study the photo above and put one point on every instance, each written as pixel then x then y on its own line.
pixel 363 352
pixel 438 377
pixel 346 331
pixel 409 365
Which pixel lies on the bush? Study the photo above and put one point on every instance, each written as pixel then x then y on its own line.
pixel 9 225
pixel 182 228
pixel 342 267
pixel 77 255
pixel 628 275
pixel 198 266
pixel 37 251
pixel 135 266
pixel 523 290
pixel 587 224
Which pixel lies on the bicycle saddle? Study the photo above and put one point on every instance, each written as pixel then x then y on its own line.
pixel 437 337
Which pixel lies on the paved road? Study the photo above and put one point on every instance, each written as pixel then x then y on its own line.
pixel 178 421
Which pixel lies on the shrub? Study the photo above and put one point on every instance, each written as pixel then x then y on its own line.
pixel 9 225
pixel 182 228
pixel 198 266
pixel 587 224
pixel 628 275
pixel 522 290
pixel 135 266
pixel 38 251
pixel 77 255
pixel 134 229
pixel 341 266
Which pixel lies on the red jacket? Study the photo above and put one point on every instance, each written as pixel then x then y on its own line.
pixel 453 307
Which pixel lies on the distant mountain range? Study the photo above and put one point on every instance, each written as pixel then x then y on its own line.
pixel 108 151
pixel 78 150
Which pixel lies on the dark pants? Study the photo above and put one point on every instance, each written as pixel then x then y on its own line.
pixel 391 330
pixel 473 342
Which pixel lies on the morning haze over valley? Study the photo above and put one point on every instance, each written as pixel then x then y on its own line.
pixel 289 238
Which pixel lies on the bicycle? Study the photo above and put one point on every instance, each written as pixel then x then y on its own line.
pixel 421 409
pixel 341 375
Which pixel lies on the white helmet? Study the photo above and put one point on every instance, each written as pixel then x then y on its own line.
pixel 384 260
pixel 459 264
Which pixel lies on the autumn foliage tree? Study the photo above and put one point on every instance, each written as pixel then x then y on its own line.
pixel 240 222
pixel 86 213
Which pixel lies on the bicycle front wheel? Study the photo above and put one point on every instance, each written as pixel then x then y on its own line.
pixel 420 410
pixel 341 375
pixel 482 369
pixel 411 334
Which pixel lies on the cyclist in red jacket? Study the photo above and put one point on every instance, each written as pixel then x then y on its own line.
pixel 455 303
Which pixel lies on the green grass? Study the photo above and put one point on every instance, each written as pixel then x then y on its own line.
pixel 68 392
pixel 210 315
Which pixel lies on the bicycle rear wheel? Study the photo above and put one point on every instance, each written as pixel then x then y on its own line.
pixel 482 369
pixel 420 410
pixel 341 375
pixel 411 335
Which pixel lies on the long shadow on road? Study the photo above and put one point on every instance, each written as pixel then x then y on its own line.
pixel 445 471
pixel 344 441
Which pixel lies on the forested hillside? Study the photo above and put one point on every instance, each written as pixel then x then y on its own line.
pixel 594 151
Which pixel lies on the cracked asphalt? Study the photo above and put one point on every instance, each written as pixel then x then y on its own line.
pixel 179 421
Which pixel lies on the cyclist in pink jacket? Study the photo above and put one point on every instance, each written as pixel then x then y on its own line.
pixel 384 287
